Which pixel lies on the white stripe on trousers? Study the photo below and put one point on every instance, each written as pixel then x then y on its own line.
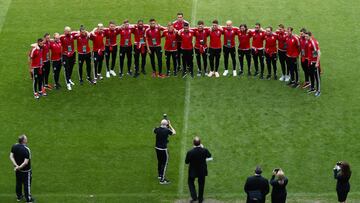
pixel 33 73
pixel 166 163
pixel 29 185
pixel 318 77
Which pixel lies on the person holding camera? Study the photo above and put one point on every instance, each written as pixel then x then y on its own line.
pixel 342 174
pixel 162 134
pixel 256 187
pixel 196 158
pixel 278 181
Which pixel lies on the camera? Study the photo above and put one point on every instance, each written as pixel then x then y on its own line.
pixel 276 170
pixel 339 163
pixel 166 118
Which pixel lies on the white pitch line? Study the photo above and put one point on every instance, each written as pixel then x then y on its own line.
pixel 186 116
pixel 4 4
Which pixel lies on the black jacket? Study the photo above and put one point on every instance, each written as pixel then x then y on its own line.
pixel 342 183
pixel 278 193
pixel 256 186
pixel 196 158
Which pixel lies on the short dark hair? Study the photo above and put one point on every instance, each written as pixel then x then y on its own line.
pixel 140 21
pixel 258 24
pixel 308 33
pixel 281 26
pixel 243 25
pixel 180 13
pixel 126 21
pixel 46 34
pixel 21 138
pixel 82 27
pixel 270 28
pixel 196 141
pixel 291 28
pixel 39 40
pixel 112 22
pixel 303 30
pixel 152 19
pixel 215 21
pixel 258 170
pixel 200 22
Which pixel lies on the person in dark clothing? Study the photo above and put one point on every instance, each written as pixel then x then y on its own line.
pixel 342 174
pixel 256 187
pixel 20 157
pixel 196 158
pixel 162 134
pixel 278 181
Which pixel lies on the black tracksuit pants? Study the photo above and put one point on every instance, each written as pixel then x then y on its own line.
pixel 46 72
pixel 23 179
pixel 247 54
pixel 85 58
pixel 98 61
pixel 158 52
pixel 171 55
pixel 258 56
pixel 271 61
pixel 137 53
pixel 56 71
pixel 282 59
pixel 110 51
pixel 37 80
pixel 187 59
pixel 214 59
pixel 201 183
pixel 204 56
pixel 229 51
pixel 292 64
pixel 68 63
pixel 163 158
pixel 305 67
pixel 125 51
pixel 314 74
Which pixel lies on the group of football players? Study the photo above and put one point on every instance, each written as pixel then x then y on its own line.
pixel 181 42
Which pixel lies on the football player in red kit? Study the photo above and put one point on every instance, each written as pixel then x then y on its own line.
pixel 258 37
pixel 271 51
pixel 125 30
pixel 178 25
pixel 229 46
pixel 55 48
pixel 304 58
pixel 215 48
pixel 292 53
pixel 170 47
pixel 313 52
pixel 187 50
pixel 140 46
pixel 111 48
pixel 244 37
pixel 46 62
pixel 201 48
pixel 153 44
pixel 97 36
pixel 36 63
pixel 68 54
pixel 84 54
pixel 282 36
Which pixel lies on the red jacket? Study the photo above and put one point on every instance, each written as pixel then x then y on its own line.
pixel 293 46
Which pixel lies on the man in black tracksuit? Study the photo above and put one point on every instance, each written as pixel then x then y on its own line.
pixel 196 158
pixel 162 134
pixel 20 157
pixel 256 187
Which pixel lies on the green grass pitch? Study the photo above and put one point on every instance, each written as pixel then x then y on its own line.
pixel 98 140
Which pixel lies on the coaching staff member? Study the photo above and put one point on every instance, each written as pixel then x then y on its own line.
pixel 256 187
pixel 196 158
pixel 20 157
pixel 162 134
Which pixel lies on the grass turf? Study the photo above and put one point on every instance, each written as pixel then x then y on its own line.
pixel 98 140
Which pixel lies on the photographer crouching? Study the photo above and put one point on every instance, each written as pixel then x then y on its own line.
pixel 162 134
pixel 342 174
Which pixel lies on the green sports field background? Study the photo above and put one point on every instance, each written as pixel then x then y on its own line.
pixel 97 140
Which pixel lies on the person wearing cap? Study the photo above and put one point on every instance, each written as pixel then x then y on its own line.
pixel 256 187
pixel 162 134
pixel 196 158
pixel 278 181
pixel 20 157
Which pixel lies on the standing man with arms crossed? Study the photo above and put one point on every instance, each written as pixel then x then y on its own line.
pixel 68 54
pixel 20 157
pixel 215 48
pixel 229 46
pixel 282 46
pixel 201 48
pixel 162 134
pixel 313 51
pixel 153 44
pixel 196 158
pixel 140 47
pixel 55 48
pixel 258 37
pixel 292 53
pixel 111 48
pixel 244 37
pixel 179 25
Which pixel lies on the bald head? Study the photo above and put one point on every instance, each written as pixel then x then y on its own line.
pixel 22 139
pixel 196 141
pixel 164 123
pixel 229 24
pixel 67 30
